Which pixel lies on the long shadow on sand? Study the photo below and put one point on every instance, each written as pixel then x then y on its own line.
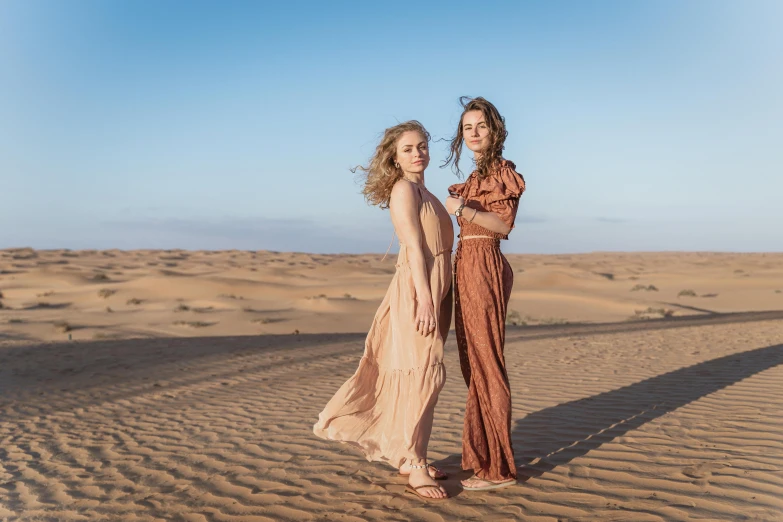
pixel 165 355
pixel 555 436
pixel 29 369
pixel 133 365
pixel 518 333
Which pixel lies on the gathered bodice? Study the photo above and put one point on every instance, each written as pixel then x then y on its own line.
pixel 499 193
pixel 437 231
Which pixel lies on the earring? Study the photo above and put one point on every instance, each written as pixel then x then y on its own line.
pixel 397 165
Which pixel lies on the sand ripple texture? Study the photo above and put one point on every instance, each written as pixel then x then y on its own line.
pixel 650 423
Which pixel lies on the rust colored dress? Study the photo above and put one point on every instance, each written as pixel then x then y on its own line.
pixel 386 408
pixel 483 281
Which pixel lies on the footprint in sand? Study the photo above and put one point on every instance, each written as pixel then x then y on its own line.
pixel 703 471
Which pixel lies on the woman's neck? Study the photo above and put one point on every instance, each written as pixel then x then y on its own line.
pixel 477 158
pixel 414 177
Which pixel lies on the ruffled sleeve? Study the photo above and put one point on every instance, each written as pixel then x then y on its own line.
pixel 506 183
pixel 459 189
pixel 500 192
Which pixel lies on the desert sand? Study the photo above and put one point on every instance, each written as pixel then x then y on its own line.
pixel 79 295
pixel 645 387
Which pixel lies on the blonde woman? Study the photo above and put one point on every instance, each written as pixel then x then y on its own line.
pixel 386 408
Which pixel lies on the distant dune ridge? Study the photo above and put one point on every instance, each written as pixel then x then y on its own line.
pixel 53 294
pixel 646 387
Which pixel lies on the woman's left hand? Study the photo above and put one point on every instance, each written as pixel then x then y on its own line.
pixel 453 203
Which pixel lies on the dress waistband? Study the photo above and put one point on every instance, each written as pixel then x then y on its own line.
pixel 478 242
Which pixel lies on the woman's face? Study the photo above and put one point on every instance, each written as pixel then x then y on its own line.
pixel 475 131
pixel 413 152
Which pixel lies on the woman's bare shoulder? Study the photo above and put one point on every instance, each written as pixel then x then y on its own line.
pixel 404 193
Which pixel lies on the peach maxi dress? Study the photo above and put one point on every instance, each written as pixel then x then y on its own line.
pixel 483 281
pixel 386 407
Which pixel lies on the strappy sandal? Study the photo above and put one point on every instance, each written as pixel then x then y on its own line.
pixel 415 489
pixel 490 484
pixel 434 473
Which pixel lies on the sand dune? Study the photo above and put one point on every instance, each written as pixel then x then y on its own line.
pixel 186 395
pixel 118 294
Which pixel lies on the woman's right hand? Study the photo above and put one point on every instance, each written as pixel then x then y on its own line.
pixel 425 318
pixel 453 202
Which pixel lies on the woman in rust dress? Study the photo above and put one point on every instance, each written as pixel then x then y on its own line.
pixel 386 408
pixel 485 206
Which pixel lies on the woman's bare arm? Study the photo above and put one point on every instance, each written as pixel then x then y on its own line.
pixel 404 207
pixel 488 220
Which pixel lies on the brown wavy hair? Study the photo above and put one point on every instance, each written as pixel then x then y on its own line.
pixel 381 174
pixel 497 137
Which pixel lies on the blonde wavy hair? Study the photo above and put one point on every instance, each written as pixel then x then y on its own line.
pixel 380 175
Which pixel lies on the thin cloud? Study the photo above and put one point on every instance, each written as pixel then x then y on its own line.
pixel 521 218
pixel 254 234
pixel 612 220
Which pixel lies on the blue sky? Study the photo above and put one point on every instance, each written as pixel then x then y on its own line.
pixel 638 125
